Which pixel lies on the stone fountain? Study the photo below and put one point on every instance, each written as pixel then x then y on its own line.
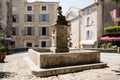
pixel 60 60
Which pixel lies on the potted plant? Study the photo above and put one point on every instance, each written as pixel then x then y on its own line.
pixel 3 49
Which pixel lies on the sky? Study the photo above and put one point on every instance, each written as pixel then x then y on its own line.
pixel 66 4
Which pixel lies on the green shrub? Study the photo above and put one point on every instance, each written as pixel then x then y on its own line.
pixel 112 28
pixel 114 47
pixel 109 45
pixel 2 44
pixel 103 45
pixel 3 48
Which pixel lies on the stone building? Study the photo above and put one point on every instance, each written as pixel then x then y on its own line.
pixel 91 29
pixel 74 18
pixel 32 22
pixel 6 16
pixel 90 23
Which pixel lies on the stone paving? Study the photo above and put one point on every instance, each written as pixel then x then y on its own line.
pixel 15 68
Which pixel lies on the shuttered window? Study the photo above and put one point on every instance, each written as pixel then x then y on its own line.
pixel 44 17
pixel 29 17
pixel 44 31
pixel 43 43
pixel 29 8
pixel 14 18
pixel 28 45
pixel 89 35
pixel 29 31
pixel 15 31
pixel 89 21
pixel 89 11
pixel 44 8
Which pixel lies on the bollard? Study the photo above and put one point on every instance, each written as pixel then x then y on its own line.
pixel 118 50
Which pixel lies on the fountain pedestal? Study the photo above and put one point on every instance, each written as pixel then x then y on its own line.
pixel 59 38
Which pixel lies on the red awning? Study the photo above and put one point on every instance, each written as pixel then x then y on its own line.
pixel 111 37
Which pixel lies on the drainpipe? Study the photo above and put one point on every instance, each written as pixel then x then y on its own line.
pixel 79 37
pixel 102 7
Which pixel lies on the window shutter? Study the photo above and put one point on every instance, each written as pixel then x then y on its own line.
pixel 25 31
pixel 87 20
pixel 40 31
pixel 17 17
pixel 90 21
pixel 17 31
pixel 47 31
pixel 32 17
pixel 32 30
pixel 25 17
pixel 90 34
pixel 47 16
pixel 40 17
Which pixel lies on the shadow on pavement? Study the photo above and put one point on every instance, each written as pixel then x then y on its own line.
pixel 17 53
pixel 4 62
pixel 117 72
pixel 7 74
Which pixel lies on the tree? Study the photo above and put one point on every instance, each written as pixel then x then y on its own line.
pixel 116 1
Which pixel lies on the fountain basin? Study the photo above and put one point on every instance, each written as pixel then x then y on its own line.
pixel 50 60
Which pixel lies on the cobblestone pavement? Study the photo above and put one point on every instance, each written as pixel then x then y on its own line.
pixel 15 68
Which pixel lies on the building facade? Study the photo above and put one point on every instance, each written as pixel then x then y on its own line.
pixel 32 23
pixel 6 16
pixel 91 23
pixel 90 28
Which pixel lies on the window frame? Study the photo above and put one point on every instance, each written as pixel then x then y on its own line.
pixel 29 17
pixel 29 31
pixel 44 31
pixel 28 8
pixel 43 8
pixel 89 35
pixel 14 31
pixel 43 43
pixel 89 21
pixel 14 18
pixel 44 17
pixel 89 11
pixel 30 44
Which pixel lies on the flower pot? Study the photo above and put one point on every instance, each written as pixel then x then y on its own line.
pixel 2 56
